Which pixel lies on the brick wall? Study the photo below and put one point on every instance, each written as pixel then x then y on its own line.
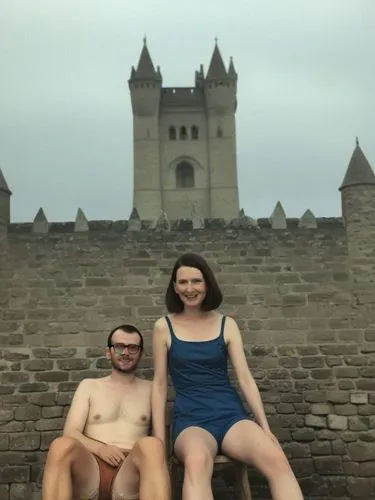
pixel 307 327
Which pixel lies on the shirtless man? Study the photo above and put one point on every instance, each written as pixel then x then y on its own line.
pixel 105 452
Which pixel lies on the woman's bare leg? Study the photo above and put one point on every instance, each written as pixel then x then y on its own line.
pixel 196 449
pixel 70 468
pixel 248 443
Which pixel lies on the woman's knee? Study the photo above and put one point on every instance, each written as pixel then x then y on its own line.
pixel 62 448
pixel 198 463
pixel 277 462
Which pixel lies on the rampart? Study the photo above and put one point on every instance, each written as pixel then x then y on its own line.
pixel 308 336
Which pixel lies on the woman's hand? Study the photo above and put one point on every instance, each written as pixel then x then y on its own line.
pixel 272 436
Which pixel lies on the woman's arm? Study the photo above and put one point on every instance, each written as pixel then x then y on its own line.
pixel 245 379
pixel 160 381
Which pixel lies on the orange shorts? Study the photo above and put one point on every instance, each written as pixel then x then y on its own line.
pixel 107 475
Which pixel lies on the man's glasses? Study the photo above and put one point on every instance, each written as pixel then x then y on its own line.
pixel 120 349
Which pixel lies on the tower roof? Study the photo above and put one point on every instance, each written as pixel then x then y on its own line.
pixel 359 170
pixel 145 69
pixel 217 67
pixel 3 184
pixel 231 70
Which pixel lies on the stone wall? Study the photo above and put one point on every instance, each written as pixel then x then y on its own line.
pixel 306 323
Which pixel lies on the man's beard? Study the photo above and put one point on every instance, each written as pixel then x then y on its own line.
pixel 130 369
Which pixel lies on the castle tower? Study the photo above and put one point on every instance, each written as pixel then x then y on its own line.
pixel 5 195
pixel 185 142
pixel 358 210
pixel 145 88
pixel 220 89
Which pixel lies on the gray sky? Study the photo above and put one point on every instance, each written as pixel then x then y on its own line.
pixel 306 89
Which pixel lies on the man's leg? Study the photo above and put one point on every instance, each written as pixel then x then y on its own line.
pixel 144 474
pixel 69 469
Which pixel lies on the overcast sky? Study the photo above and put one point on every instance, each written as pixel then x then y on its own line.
pixel 306 89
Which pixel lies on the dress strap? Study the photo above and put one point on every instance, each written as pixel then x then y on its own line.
pixel 222 326
pixel 169 323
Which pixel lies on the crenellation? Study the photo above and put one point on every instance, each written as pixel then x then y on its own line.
pixel 40 224
pixel 278 217
pixel 308 220
pixel 195 222
pixel 81 224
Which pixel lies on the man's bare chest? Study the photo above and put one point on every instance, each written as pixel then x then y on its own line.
pixel 132 407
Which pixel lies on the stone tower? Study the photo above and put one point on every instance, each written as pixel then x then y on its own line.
pixel 184 141
pixel 358 210
pixel 5 195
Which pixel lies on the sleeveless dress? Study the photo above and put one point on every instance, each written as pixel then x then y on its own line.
pixel 205 397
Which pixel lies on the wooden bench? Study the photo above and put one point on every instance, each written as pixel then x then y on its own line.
pixel 242 480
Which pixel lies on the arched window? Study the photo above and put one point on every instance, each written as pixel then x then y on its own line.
pixel 184 175
pixel 219 132
pixel 172 133
pixel 183 133
pixel 194 132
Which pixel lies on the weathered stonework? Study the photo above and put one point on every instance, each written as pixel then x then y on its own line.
pixel 308 337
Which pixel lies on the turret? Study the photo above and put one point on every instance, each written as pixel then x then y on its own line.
pixel 220 89
pixel 358 206
pixel 5 195
pixel 220 85
pixel 145 89
pixel 145 85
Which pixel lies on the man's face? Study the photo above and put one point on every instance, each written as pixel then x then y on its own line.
pixel 125 352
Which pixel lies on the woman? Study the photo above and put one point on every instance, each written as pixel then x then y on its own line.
pixel 194 342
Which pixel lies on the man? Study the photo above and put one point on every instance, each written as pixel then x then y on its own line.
pixel 105 452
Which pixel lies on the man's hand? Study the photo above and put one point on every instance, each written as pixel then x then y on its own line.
pixel 111 454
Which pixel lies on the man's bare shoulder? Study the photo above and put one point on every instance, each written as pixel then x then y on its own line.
pixel 144 384
pixel 88 384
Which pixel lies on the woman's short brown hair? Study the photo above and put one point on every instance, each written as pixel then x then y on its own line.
pixel 214 295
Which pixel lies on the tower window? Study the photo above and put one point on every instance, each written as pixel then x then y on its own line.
pixel 194 132
pixel 172 133
pixel 219 132
pixel 183 133
pixel 184 175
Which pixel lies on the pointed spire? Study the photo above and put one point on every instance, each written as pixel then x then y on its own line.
pixel 3 184
pixel 231 69
pixel 81 224
pixel 308 220
pixel 134 223
pixel 145 69
pixel 278 217
pixel 359 170
pixel 162 223
pixel 217 67
pixel 40 224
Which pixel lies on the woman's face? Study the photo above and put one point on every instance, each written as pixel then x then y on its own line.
pixel 190 286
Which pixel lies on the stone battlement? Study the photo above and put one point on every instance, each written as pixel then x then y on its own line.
pixel 211 225
pixel 277 221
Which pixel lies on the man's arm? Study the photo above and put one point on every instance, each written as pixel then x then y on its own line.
pixel 77 417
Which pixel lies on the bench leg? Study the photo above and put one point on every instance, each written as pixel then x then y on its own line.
pixel 173 478
pixel 242 481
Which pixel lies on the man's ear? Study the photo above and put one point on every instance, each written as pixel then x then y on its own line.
pixel 108 352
